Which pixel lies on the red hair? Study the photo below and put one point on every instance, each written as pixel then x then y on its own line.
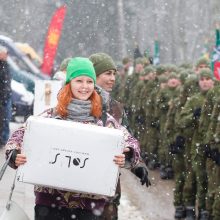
pixel 65 96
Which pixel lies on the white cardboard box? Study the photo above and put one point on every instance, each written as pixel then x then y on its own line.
pixel 45 94
pixel 71 156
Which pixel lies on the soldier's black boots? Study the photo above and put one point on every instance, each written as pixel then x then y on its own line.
pixel 145 157
pixel 203 215
pixel 170 172
pixel 166 172
pixel 190 213
pixel 153 164
pixel 180 212
pixel 163 173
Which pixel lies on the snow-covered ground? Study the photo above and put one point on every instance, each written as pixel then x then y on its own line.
pixel 148 203
pixel 129 211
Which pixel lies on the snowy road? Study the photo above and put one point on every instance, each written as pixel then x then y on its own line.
pixel 152 203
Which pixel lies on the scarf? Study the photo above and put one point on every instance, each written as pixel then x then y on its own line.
pixel 104 94
pixel 80 111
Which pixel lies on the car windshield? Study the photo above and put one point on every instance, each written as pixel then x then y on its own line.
pixel 22 60
pixel 24 63
pixel 12 63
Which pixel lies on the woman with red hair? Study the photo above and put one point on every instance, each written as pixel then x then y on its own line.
pixel 77 101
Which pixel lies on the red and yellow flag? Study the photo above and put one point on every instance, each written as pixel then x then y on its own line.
pixel 52 39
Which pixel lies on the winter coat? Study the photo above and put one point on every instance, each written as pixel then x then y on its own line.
pixel 5 82
pixel 49 197
pixel 5 93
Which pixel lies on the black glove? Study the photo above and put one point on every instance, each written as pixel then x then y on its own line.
pixel 173 149
pixel 197 113
pixel 180 141
pixel 140 120
pixel 155 124
pixel 178 145
pixel 145 157
pixel 144 154
pixel 207 150
pixel 218 159
pixel 141 172
pixel 128 155
pixel 14 155
pixel 215 155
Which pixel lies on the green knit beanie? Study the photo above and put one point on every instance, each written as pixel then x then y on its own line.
pixel 80 66
pixel 102 62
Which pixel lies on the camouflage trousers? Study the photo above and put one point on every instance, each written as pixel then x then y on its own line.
pixel 152 144
pixel 189 188
pixel 165 157
pixel 197 182
pixel 212 184
pixel 216 204
pixel 180 174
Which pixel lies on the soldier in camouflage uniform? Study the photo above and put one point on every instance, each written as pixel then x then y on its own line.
pixel 152 134
pixel 129 87
pixel 121 79
pixel 213 160
pixel 162 107
pixel 144 95
pixel 162 73
pixel 196 180
pixel 138 117
pixel 213 164
pixel 177 145
pixel 148 106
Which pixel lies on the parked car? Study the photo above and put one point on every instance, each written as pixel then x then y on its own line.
pixel 23 71
pixel 22 68
pixel 22 101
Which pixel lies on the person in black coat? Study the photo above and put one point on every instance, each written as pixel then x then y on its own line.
pixel 5 97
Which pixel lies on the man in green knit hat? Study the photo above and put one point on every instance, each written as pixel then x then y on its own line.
pixel 105 69
pixel 162 106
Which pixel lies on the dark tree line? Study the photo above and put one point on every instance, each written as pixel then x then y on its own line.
pixel 182 27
